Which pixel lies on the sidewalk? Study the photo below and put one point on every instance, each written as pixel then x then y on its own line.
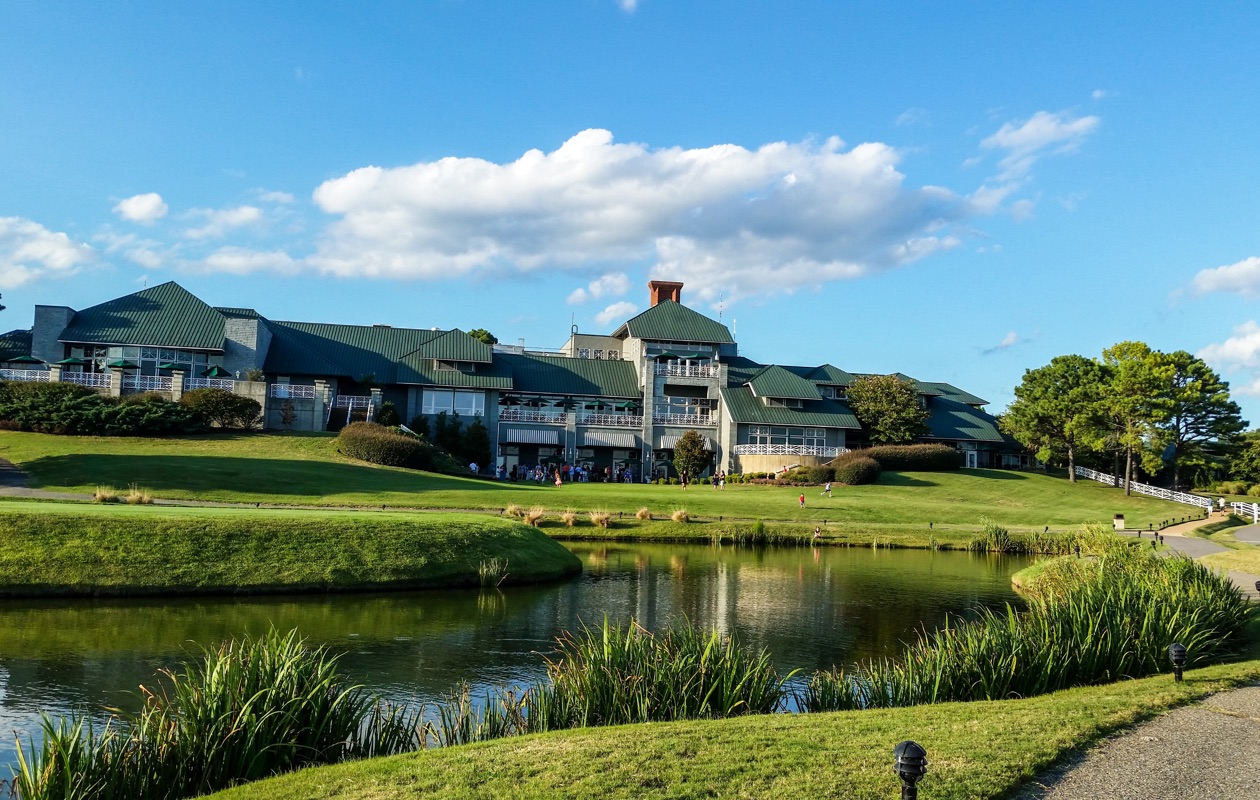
pixel 1176 541
pixel 1206 751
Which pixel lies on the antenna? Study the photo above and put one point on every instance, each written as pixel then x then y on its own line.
pixel 721 304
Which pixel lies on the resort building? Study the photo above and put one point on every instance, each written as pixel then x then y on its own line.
pixel 607 402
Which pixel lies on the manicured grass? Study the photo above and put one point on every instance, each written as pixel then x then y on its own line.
pixel 1240 560
pixel 60 548
pixel 976 751
pixel 306 469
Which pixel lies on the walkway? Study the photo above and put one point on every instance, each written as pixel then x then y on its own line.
pixel 1206 751
pixel 1176 540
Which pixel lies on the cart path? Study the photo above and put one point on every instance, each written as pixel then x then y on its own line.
pixel 1206 751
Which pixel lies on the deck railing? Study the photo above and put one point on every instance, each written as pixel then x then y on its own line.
pixel 146 383
pixel 612 420
pixel 786 450
pixel 1150 491
pixel 688 371
pixel 684 419
pixel 94 380
pixel 210 383
pixel 28 375
pixel 530 415
pixel 292 391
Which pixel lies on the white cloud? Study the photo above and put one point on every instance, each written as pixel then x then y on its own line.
pixel 143 208
pixel 243 261
pixel 1027 141
pixel 617 312
pixel 29 251
pixel 1008 341
pixel 911 116
pixel 723 219
pixel 145 252
pixel 1022 210
pixel 1098 94
pixel 1242 350
pixel 1242 277
pixel 219 222
pixel 612 285
pixel 283 198
pixel 628 6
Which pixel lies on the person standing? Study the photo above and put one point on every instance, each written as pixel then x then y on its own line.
pixel 722 479
pixel 827 489
pixel 802 499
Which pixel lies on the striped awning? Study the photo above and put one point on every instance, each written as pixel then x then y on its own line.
pixel 528 436
pixel 619 439
pixel 669 442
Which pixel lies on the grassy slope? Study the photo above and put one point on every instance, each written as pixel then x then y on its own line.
pixel 1241 556
pixel 306 469
pixel 976 750
pixel 93 549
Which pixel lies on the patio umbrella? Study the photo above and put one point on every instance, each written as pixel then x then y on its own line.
pixel 216 372
pixel 567 402
pixel 627 404
pixel 24 360
pixel 71 362
pixel 169 365
pixel 122 364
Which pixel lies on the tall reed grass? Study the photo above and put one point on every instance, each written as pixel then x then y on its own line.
pixel 248 709
pixel 1091 621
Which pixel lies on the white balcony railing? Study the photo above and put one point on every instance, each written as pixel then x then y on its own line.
pixel 146 383
pixel 226 384
pixel 786 450
pixel 530 415
pixel 688 371
pixel 292 391
pixel 612 420
pixel 28 375
pixel 94 380
pixel 684 419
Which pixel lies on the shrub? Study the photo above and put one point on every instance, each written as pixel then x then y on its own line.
pixel 821 474
pixel 535 516
pixel 643 514
pixel 223 408
pixel 377 444
pixel 857 471
pixel 70 409
pixel 673 481
pixel 1232 487
pixel 388 415
pixel 420 426
pixel 138 497
pixel 1254 490
pixel 909 457
pixel 568 517
pixel 513 510
pixel 680 515
pixel 601 519
pixel 105 494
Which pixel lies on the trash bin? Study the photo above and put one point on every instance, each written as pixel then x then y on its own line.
pixel 1117 522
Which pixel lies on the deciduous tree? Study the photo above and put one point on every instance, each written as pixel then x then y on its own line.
pixel 690 455
pixel 1056 408
pixel 1135 403
pixel 888 408
pixel 484 336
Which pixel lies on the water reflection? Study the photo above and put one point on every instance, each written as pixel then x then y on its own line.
pixel 811 608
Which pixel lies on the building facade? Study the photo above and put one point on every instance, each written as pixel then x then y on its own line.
pixel 612 403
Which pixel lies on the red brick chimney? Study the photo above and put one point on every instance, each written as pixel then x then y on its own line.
pixel 665 290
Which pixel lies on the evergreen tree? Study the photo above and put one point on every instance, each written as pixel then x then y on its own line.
pixel 476 446
pixel 1201 416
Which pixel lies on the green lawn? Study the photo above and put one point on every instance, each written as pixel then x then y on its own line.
pixel 64 548
pixel 306 469
pixel 975 750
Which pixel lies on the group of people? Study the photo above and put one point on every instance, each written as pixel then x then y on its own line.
pixel 563 473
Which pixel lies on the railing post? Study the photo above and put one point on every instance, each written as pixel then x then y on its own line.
pixel 177 384
pixel 115 383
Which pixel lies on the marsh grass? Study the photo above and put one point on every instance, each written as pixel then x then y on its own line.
pixel 600 519
pixel 514 511
pixel 1089 621
pixel 105 494
pixel 535 516
pixel 137 496
pixel 680 515
pixel 246 710
pixel 643 514
pixel 492 572
pixel 568 517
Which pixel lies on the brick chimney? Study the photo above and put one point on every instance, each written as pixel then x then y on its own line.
pixel 665 290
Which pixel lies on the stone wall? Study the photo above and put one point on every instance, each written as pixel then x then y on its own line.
pixel 50 321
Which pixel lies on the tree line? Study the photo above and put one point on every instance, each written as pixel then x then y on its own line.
pixel 1133 408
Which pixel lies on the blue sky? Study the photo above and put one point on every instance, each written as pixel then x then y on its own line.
pixel 957 192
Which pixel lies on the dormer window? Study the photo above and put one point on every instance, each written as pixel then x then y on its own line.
pixel 779 402
pixel 450 365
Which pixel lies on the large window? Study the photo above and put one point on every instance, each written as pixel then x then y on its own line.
pixel 768 434
pixel 466 404
pixel 694 406
pixel 148 358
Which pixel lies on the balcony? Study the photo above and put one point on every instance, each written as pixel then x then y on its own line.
pixel 531 415
pixel 688 371
pixel 292 391
pixel 690 420
pixel 612 420
pixel 786 450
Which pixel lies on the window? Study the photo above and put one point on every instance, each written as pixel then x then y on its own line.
pixel 614 355
pixel 466 404
pixel 766 434
pixel 599 354
pixel 584 352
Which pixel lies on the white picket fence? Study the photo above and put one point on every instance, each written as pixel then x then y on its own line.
pixel 1142 488
pixel 1247 510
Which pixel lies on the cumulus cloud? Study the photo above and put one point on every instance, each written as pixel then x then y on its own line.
pixel 617 312
pixel 143 208
pixel 219 222
pixel 29 251
pixel 283 198
pixel 613 285
pixel 244 261
pixel 1242 350
pixel 724 219
pixel 1027 141
pixel 1241 277
pixel 147 253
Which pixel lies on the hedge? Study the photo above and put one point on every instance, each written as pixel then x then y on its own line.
pixel 857 471
pixel 223 408
pixel 909 457
pixel 73 410
pixel 377 444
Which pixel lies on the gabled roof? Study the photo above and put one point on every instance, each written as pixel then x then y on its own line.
pixel 775 381
pixel 15 343
pixel 740 370
pixel 317 348
pixel 668 321
pixel 166 315
pixel 819 413
pixel 951 419
pixel 420 370
pixel 828 375
pixel 586 377
pixel 953 393
pixel 455 345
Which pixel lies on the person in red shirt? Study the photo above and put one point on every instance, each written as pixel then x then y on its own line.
pixel 802 499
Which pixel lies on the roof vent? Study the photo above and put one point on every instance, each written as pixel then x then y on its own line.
pixel 381 325
pixel 665 290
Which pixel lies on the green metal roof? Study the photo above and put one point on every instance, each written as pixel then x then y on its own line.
pixel 828 375
pixel 820 413
pixel 775 381
pixel 950 419
pixel 166 315
pixel 483 376
pixel 585 377
pixel 668 321
pixel 953 393
pixel 15 343
pixel 455 345
pixel 740 370
pixel 317 348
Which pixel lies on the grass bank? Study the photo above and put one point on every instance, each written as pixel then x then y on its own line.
pixel 977 751
pixel 306 469
pixel 80 549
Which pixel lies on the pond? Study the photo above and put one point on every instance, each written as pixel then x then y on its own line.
pixel 812 608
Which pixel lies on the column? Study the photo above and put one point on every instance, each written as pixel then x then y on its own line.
pixel 177 384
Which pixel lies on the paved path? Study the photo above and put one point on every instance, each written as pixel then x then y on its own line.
pixel 1249 534
pixel 1206 751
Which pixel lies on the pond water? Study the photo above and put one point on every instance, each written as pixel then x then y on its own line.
pixel 812 608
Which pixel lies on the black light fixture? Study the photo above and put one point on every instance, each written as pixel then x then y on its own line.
pixel 1177 655
pixel 1257 587
pixel 910 763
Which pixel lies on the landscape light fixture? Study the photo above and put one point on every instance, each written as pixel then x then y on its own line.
pixel 1257 587
pixel 1177 655
pixel 910 763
